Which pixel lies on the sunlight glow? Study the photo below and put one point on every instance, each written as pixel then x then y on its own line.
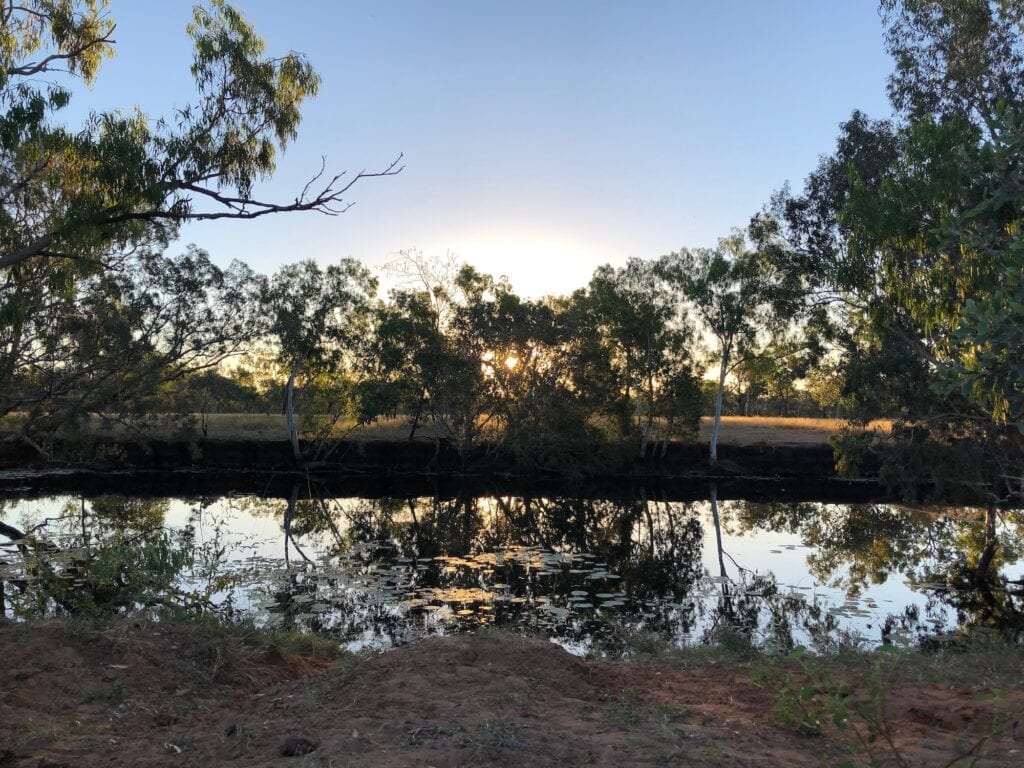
pixel 537 263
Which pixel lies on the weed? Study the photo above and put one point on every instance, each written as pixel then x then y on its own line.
pixel 498 734
pixel 630 710
pixel 736 642
pixel 816 701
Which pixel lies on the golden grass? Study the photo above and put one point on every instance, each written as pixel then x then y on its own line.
pixel 778 430
pixel 736 430
pixel 242 426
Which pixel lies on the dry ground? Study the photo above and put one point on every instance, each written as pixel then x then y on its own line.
pixel 143 694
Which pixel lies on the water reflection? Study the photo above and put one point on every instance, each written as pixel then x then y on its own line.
pixel 587 572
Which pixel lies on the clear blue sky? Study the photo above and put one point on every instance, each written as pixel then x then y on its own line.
pixel 541 139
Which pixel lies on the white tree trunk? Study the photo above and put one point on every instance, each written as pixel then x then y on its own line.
pixel 717 423
pixel 289 412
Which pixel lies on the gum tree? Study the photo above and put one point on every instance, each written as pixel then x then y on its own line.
pixel 912 230
pixel 71 196
pixel 317 317
pixel 77 202
pixel 736 297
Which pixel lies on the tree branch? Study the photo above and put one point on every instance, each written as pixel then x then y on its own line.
pixel 326 201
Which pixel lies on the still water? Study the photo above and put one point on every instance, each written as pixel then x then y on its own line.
pixel 592 574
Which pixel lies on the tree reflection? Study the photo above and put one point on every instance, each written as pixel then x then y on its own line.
pixel 108 554
pixel 957 554
pixel 592 572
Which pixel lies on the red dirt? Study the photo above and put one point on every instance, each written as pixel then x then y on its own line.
pixel 145 694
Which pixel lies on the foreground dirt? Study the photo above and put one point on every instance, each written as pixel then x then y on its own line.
pixel 144 694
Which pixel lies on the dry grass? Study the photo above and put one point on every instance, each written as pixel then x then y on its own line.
pixel 241 426
pixel 777 430
pixel 736 430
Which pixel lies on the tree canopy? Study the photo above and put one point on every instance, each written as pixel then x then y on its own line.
pixel 124 178
pixel 912 228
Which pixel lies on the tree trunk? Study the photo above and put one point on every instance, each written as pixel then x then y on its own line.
pixel 668 436
pixel 981 571
pixel 717 423
pixel 415 423
pixel 288 514
pixel 289 409
pixel 649 423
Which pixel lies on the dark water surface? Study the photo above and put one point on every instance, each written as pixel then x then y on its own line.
pixel 593 574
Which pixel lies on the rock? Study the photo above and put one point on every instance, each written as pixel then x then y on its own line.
pixel 295 746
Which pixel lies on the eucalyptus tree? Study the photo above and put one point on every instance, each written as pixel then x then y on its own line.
pixel 408 349
pixel 429 355
pixel 317 317
pixel 736 297
pixel 540 418
pixel 71 196
pixel 958 60
pixel 644 328
pixel 77 202
pixel 912 228
pixel 115 344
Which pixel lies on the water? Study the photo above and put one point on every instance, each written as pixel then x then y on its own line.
pixel 592 574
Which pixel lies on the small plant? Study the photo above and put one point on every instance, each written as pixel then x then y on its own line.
pixel 817 702
pixel 497 734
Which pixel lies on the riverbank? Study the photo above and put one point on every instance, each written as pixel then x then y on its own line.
pixel 750 448
pixel 132 692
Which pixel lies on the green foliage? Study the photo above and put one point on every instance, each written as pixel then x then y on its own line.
pixel 912 230
pixel 537 379
pixel 317 321
pixel 738 296
pixel 124 338
pixel 84 212
pixel 123 558
pixel 125 179
pixel 639 335
pixel 844 699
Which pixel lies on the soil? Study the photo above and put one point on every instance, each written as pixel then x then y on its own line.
pixel 179 694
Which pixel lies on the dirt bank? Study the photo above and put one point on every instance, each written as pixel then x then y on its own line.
pixel 680 460
pixel 143 694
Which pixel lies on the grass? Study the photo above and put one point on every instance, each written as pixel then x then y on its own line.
pixel 735 430
pixel 778 430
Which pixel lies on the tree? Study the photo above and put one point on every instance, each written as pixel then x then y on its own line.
pixel 642 330
pixel 736 296
pixel 120 338
pixel 317 316
pixel 955 59
pixel 72 197
pixel 80 203
pixel 912 229
pixel 826 385
pixel 411 342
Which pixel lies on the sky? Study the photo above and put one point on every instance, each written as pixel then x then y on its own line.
pixel 540 139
